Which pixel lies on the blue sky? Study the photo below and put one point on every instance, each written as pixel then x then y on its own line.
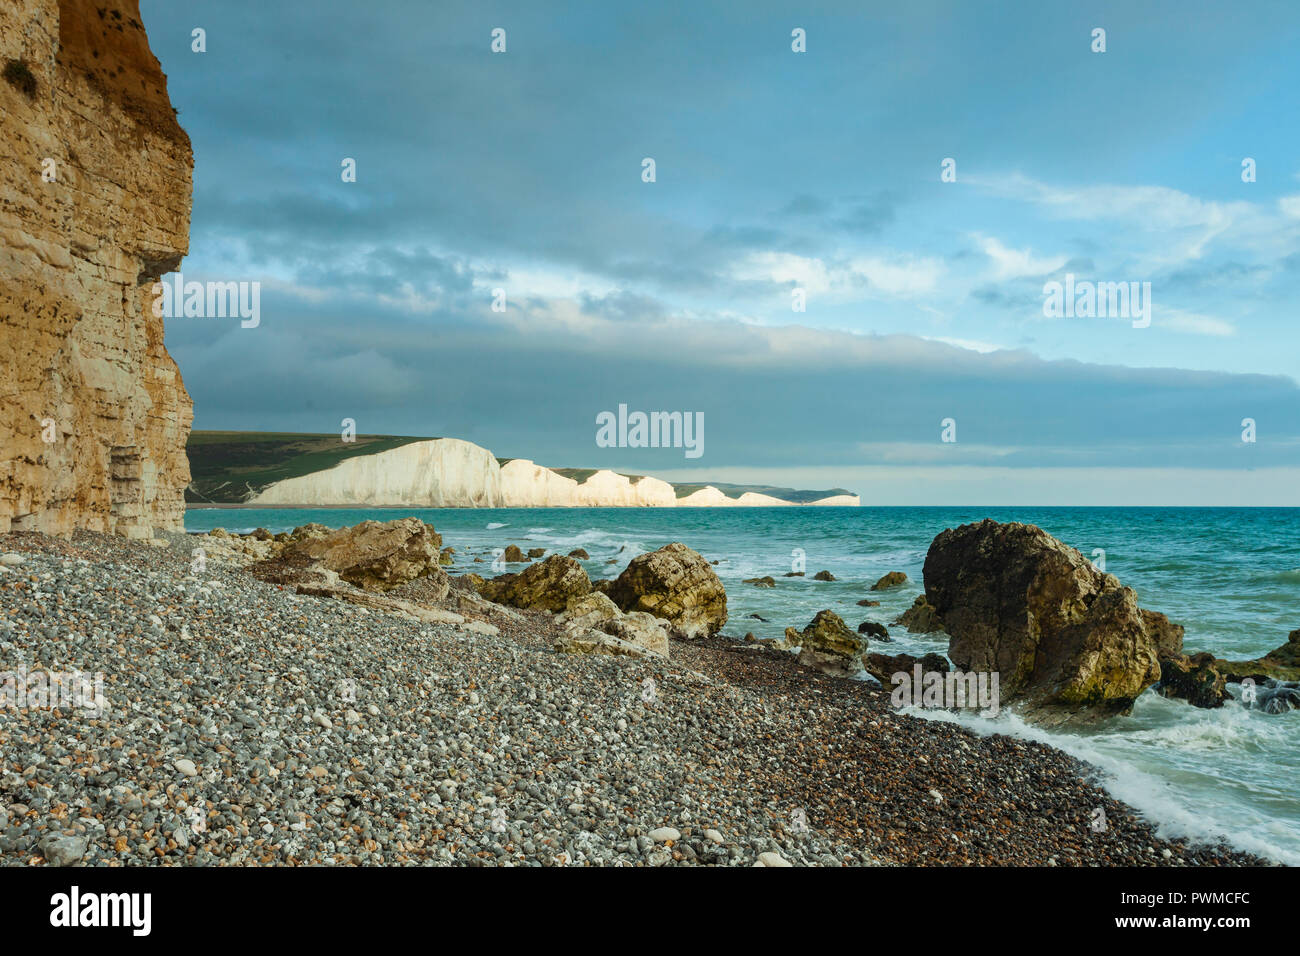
pixel 775 170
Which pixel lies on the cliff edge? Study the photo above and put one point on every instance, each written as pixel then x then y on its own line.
pixel 95 188
pixel 452 473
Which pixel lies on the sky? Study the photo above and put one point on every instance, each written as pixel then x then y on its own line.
pixel 777 174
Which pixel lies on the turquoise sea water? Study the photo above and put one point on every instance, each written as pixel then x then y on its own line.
pixel 1230 576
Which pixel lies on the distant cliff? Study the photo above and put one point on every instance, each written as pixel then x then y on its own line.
pixel 450 473
pixel 95 185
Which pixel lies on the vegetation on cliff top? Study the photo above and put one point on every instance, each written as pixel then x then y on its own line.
pixel 231 467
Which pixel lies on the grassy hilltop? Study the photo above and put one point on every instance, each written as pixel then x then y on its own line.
pixel 231 467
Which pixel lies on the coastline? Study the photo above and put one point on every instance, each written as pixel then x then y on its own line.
pixel 452 722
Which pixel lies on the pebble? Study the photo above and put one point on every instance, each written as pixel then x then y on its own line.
pixel 61 850
pixel 482 748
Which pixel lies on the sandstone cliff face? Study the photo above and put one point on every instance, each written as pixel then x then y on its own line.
pixel 82 360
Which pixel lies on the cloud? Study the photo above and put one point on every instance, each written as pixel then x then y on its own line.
pixel 1016 263
pixel 902 276
pixel 1192 322
pixel 522 171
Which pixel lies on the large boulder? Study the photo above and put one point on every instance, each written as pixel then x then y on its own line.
pixel 550 585
pixel 828 645
pixel 373 555
pixel 676 584
pixel 1060 633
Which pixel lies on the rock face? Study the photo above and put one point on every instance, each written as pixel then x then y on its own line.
pixel 373 555
pixel 1059 632
pixel 550 585
pixel 828 645
pixel 676 584
pixel 83 362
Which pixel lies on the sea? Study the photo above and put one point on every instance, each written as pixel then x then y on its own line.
pixel 1231 576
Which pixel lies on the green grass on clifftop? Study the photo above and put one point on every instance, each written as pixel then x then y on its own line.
pixel 231 467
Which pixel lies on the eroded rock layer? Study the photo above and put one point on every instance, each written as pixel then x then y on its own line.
pixel 95 186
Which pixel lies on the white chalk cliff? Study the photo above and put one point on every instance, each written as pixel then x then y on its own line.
pixel 450 473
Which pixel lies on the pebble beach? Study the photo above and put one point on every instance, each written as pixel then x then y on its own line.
pixel 246 724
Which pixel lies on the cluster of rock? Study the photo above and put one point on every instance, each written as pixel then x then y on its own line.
pixel 1066 639
pixel 672 592
pixel 358 565
pixel 669 592
pixel 828 645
